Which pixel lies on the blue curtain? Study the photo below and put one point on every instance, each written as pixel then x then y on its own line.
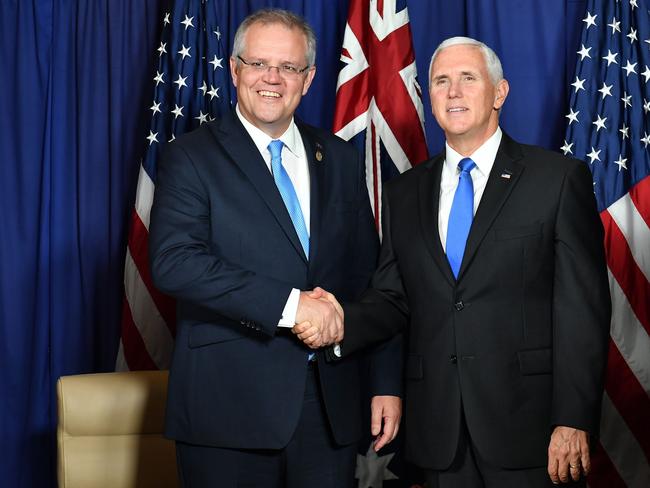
pixel 75 87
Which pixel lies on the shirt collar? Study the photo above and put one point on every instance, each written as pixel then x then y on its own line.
pixel 262 139
pixel 484 156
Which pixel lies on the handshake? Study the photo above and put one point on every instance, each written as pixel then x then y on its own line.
pixel 319 319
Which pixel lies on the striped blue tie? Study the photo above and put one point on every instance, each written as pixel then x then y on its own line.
pixel 288 193
pixel 460 216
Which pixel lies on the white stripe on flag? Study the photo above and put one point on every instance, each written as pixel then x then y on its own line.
pixel 146 317
pixel 144 197
pixel 630 337
pixel 635 231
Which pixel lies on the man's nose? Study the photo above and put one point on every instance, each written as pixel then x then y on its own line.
pixel 454 89
pixel 272 74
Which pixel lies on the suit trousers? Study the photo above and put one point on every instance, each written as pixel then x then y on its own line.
pixel 470 470
pixel 310 459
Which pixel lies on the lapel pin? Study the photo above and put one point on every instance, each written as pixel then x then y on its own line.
pixel 506 175
pixel 319 152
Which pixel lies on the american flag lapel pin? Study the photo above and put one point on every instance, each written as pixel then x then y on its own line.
pixel 506 174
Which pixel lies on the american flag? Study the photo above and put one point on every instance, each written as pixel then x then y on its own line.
pixel 379 108
pixel 192 86
pixel 609 128
pixel 378 99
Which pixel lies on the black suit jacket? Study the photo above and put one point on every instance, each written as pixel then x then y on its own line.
pixel 518 342
pixel 223 244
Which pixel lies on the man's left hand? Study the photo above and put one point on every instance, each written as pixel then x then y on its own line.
pixel 568 454
pixel 386 410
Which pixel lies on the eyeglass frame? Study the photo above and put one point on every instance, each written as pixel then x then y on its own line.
pixel 261 66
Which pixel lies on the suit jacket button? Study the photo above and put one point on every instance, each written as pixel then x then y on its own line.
pixel 459 305
pixel 453 359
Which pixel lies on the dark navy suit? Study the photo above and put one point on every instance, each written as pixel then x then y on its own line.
pixel 222 243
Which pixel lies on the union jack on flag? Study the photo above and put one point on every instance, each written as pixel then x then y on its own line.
pixel 192 86
pixel 378 99
pixel 609 128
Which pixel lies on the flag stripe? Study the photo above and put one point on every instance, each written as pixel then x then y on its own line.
pixel 622 448
pixel 627 395
pixel 622 265
pixel 144 197
pixel 133 347
pixel 639 194
pixel 603 472
pixel 139 249
pixel 153 330
pixel 629 336
pixel 634 230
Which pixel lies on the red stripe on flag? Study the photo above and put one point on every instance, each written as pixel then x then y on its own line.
pixel 138 245
pixel 135 351
pixel 355 97
pixel 603 472
pixel 624 268
pixel 628 396
pixel 640 195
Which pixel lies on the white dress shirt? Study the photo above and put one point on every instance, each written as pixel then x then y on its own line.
pixel 294 160
pixel 484 158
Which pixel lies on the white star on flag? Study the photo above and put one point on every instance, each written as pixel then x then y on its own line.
pixel 187 22
pixel 572 116
pixel 590 20
pixel 216 62
pixel 578 84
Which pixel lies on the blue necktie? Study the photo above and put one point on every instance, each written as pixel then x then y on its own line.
pixel 288 193
pixel 460 216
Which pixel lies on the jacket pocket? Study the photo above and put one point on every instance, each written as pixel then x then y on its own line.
pixel 414 368
pixel 535 361
pixel 206 334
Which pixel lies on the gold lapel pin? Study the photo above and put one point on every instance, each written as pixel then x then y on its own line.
pixel 319 155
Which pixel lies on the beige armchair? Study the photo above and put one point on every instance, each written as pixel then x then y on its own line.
pixel 110 431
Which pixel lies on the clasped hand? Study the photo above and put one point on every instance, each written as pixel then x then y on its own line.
pixel 319 319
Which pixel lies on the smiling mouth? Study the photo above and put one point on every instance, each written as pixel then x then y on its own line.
pixel 269 94
pixel 456 109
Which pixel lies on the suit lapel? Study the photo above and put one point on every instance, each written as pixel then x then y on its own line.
pixel 503 178
pixel 235 141
pixel 429 201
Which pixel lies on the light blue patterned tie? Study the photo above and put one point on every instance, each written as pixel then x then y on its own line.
pixel 460 216
pixel 288 193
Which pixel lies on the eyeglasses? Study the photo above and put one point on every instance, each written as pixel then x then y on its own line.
pixel 288 70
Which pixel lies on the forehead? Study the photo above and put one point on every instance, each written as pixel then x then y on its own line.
pixel 275 38
pixel 461 57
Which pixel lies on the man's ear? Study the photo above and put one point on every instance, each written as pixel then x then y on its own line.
pixel 233 70
pixel 308 79
pixel 501 93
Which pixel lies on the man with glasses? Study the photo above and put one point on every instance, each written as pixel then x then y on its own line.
pixel 249 210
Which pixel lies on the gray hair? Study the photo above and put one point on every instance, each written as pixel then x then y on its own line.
pixel 276 16
pixel 492 62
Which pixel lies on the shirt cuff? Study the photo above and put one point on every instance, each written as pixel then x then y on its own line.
pixel 290 309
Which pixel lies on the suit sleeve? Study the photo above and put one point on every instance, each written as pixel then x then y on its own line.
pixel 382 311
pixel 186 264
pixel 581 306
